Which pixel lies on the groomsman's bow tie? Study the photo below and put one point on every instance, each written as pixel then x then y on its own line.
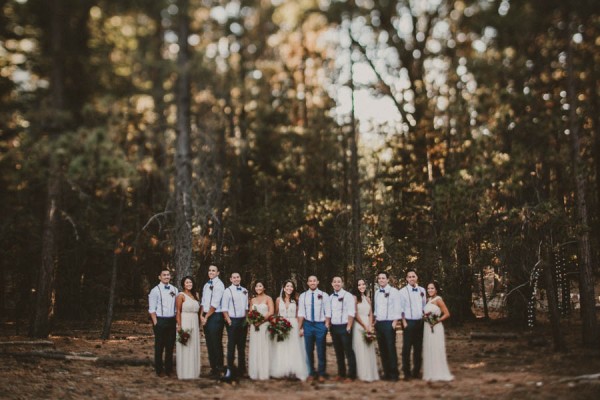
pixel 167 287
pixel 210 282
pixel 239 288
pixel 415 289
pixel 381 290
pixel 335 294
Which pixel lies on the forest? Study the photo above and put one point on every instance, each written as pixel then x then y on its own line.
pixel 286 138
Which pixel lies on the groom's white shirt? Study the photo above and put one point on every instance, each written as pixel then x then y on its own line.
pixel 162 300
pixel 341 307
pixel 412 302
pixel 212 297
pixel 322 305
pixel 235 302
pixel 387 304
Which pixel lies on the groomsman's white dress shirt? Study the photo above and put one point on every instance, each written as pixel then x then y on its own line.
pixel 161 300
pixel 212 294
pixel 412 302
pixel 235 301
pixel 387 304
pixel 321 305
pixel 342 306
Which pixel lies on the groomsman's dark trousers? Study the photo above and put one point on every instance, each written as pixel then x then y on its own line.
pixel 386 339
pixel 412 339
pixel 165 332
pixel 236 339
pixel 315 333
pixel 342 344
pixel 213 332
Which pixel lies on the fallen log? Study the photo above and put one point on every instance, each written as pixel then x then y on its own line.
pixel 28 343
pixel 102 361
pixel 589 377
pixel 493 335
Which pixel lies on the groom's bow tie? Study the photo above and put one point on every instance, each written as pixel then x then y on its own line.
pixel 415 289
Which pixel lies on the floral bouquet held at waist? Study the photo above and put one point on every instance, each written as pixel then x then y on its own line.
pixel 369 337
pixel 255 318
pixel 431 319
pixel 279 328
pixel 183 335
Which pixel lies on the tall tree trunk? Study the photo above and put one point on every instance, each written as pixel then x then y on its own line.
pixel 114 274
pixel 355 186
pixel 586 278
pixel 44 300
pixel 183 162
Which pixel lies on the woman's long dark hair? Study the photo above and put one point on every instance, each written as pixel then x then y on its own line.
pixel 293 296
pixel 256 282
pixel 193 290
pixel 357 293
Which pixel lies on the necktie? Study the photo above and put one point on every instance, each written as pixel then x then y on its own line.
pixel 415 289
pixel 167 287
pixel 312 307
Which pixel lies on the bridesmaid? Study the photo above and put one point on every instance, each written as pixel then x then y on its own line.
pixel 259 346
pixel 435 366
pixel 366 360
pixel 288 358
pixel 188 318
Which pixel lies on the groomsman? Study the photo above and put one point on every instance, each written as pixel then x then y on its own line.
pixel 412 302
pixel 212 320
pixel 313 320
pixel 235 308
pixel 342 312
pixel 387 314
pixel 161 306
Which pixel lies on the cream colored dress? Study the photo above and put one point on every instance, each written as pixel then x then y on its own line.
pixel 259 352
pixel 188 356
pixel 366 359
pixel 435 366
pixel 288 358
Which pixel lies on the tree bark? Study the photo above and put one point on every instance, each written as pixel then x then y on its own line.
pixel 355 186
pixel 113 276
pixel 183 183
pixel 557 336
pixel 44 299
pixel 586 278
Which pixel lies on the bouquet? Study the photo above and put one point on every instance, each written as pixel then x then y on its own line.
pixel 369 337
pixel 279 328
pixel 431 319
pixel 254 318
pixel 183 335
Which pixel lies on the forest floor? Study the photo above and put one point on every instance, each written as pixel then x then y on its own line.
pixel 524 367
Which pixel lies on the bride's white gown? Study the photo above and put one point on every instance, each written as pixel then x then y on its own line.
pixel 366 360
pixel 435 366
pixel 259 348
pixel 288 358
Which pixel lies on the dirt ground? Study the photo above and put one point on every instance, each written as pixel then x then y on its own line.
pixel 521 368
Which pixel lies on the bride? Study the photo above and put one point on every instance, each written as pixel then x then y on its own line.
pixel 435 366
pixel 288 358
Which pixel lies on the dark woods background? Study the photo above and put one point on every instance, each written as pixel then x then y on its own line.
pixel 125 147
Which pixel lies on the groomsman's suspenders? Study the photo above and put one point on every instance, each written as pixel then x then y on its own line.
pixel 306 310
pixel 387 305
pixel 162 309
pixel 410 301
pixel 342 314
pixel 233 301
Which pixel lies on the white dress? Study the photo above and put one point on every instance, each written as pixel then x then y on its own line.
pixel 435 366
pixel 288 358
pixel 366 359
pixel 188 356
pixel 260 346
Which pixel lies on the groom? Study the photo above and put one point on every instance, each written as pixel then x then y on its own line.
pixel 161 306
pixel 313 309
pixel 212 320
pixel 235 308
pixel 412 302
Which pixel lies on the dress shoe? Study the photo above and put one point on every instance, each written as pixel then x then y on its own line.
pixel 321 379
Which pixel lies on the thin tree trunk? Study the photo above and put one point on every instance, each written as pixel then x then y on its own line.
pixel 44 301
pixel 113 276
pixel 183 184
pixel 586 278
pixel 557 336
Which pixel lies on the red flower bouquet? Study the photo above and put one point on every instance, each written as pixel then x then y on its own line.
pixel 431 319
pixel 255 318
pixel 279 328
pixel 183 335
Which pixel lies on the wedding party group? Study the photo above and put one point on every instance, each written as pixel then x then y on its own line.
pixel 285 334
